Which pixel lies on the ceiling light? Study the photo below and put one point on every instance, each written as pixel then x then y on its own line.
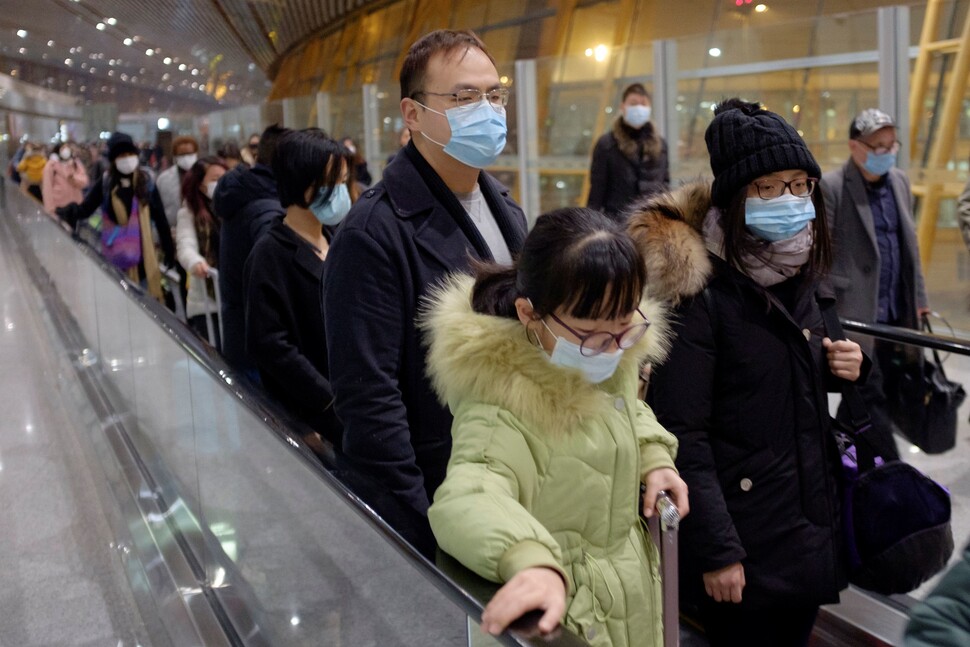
pixel 761 8
pixel 22 50
pixel 182 67
pixel 714 51
pixel 50 43
pixel 22 33
pixel 111 21
pixel 149 51
pixel 195 71
pixel 167 60
pixel 99 26
pixel 128 42
pixel 68 61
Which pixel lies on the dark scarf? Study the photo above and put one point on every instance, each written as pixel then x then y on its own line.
pixel 514 237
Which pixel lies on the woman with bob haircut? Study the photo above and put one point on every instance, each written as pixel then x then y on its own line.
pixel 283 277
pixel 538 362
pixel 744 388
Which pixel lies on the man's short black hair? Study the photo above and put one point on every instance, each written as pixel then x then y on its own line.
pixel 306 159
pixel 267 144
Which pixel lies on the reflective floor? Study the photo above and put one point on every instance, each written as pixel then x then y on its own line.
pixel 62 580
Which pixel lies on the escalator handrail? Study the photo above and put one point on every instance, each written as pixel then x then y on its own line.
pixel 909 336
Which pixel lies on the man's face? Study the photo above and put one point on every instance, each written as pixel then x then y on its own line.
pixel 446 74
pixel 881 141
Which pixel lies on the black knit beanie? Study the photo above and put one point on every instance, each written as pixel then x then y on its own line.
pixel 120 143
pixel 746 142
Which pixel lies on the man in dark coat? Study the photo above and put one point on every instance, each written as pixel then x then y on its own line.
pixel 630 161
pixel 433 213
pixel 246 201
pixel 875 268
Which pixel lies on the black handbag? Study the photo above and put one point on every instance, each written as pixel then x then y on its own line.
pixel 926 403
pixel 895 519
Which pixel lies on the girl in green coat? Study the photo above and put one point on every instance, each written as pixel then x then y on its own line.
pixel 539 365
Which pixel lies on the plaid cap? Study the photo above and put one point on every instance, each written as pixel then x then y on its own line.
pixel 869 121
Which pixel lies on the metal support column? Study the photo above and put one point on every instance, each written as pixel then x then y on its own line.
pixel 665 95
pixel 372 127
pixel 527 109
pixel 893 23
pixel 324 121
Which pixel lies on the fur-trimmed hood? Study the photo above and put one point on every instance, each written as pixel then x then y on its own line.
pixel 627 139
pixel 489 359
pixel 667 229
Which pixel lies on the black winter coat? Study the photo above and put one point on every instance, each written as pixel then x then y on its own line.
pixel 744 389
pixel 247 203
pixel 400 239
pixel 284 327
pixel 627 165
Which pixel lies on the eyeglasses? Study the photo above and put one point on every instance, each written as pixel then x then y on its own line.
pixel 769 188
pixel 497 97
pixel 881 150
pixel 599 342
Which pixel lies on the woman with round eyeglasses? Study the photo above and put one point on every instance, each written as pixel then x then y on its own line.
pixel 539 365
pixel 744 388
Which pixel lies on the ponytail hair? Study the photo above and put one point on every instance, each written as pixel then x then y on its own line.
pixel 494 292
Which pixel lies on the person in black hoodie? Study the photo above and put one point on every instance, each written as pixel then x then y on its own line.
pixel 247 203
pixel 284 275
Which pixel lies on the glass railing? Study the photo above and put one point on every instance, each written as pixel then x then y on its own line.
pixel 285 552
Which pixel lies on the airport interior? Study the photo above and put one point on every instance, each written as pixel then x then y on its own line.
pixel 151 495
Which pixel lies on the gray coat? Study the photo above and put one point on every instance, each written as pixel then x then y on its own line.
pixel 169 185
pixel 855 265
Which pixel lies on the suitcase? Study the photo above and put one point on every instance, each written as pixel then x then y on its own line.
pixel 663 530
pixel 210 325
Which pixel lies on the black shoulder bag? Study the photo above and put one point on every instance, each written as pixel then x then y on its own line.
pixel 895 519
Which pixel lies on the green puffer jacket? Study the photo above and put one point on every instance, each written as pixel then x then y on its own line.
pixel 942 619
pixel 546 468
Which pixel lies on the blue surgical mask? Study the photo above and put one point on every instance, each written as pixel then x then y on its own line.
pixel 335 208
pixel 595 369
pixel 636 116
pixel 778 218
pixel 879 163
pixel 478 133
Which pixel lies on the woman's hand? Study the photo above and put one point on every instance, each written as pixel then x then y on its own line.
pixel 845 358
pixel 725 584
pixel 533 588
pixel 667 479
pixel 201 269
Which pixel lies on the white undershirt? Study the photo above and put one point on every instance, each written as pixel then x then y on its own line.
pixel 477 208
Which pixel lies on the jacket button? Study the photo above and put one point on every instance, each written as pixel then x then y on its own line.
pixel 369 194
pixel 746 485
pixel 591 633
pixel 807 333
pixel 619 404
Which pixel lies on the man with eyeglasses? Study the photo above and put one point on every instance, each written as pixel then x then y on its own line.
pixel 876 268
pixel 434 212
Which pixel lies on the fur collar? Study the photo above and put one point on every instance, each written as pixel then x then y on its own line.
pixel 627 139
pixel 667 228
pixel 488 359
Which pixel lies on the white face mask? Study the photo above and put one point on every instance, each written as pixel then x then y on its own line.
pixel 636 116
pixel 127 165
pixel 210 188
pixel 185 162
pixel 595 369
pixel 65 154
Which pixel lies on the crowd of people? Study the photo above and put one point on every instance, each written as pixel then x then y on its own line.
pixel 481 384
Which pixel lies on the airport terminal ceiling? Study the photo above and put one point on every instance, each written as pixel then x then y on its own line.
pixel 197 55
